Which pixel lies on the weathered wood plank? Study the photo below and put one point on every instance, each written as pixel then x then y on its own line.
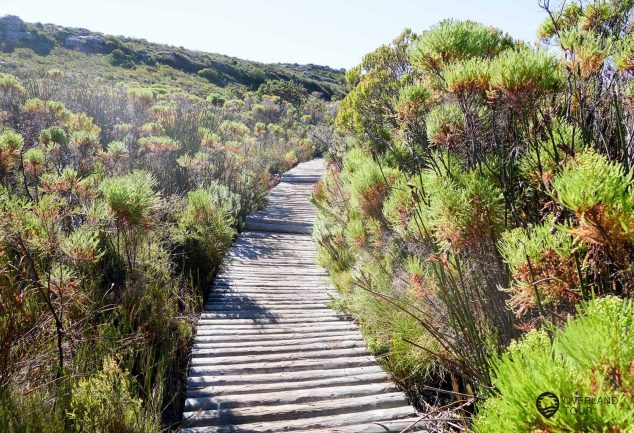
pixel 203 380
pixel 304 385
pixel 297 411
pixel 288 396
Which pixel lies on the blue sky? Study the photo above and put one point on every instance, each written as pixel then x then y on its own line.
pixel 330 32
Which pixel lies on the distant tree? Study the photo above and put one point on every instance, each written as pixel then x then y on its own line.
pixel 290 91
pixel 212 75
pixel 119 58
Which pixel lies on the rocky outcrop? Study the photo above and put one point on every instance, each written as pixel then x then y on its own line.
pixel 15 33
pixel 89 44
pixel 13 30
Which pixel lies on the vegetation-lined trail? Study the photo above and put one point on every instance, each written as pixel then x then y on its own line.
pixel 269 353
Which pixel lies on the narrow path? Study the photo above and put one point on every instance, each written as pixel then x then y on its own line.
pixel 269 355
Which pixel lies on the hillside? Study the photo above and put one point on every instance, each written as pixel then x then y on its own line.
pixel 125 174
pixel 110 57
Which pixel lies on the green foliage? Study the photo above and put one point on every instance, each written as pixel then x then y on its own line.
pixel 366 111
pixel 590 180
pixel 543 160
pixel 22 412
pixel 54 109
pixel 216 99
pixel 519 245
pixel 445 125
pixel 563 20
pixel 467 75
pixel 288 91
pixel 53 136
pixel 596 369
pixel 205 228
pixel 402 206
pixel 368 183
pixel 464 209
pixel 10 84
pixel 589 49
pixel 525 72
pixel 11 144
pixel 131 198
pixel 413 101
pixel 159 144
pixel 624 54
pixel 453 40
pixel 105 403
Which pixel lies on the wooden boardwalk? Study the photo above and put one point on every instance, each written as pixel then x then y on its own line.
pixel 269 355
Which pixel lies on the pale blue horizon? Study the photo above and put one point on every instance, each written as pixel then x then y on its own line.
pixel 336 33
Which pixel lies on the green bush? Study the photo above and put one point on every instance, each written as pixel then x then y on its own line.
pixel 205 229
pixel 525 73
pixel 106 403
pixel 445 125
pixel 541 260
pixel 590 358
pixel 131 198
pixel 464 209
pixel 453 40
pixel 590 180
pixel 467 75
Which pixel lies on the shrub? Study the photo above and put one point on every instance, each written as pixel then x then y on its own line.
pixel 369 186
pixel 105 402
pixel 11 144
pixel 453 40
pixel 542 161
pixel 525 73
pixel 445 125
pixel 598 368
pixel 600 194
pixel 624 55
pixel 33 160
pixel 10 87
pixel 588 52
pixel 413 101
pixel 467 76
pixel 404 202
pixel 543 266
pixel 563 20
pixel 590 180
pixel 54 109
pixel 159 144
pixel 464 210
pixel 53 136
pixel 205 229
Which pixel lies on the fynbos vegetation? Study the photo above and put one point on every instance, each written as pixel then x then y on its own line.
pixel 477 217
pixel 119 193
pixel 481 189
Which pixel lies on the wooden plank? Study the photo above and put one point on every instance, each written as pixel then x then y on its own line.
pixel 280 343
pixel 297 411
pixel 259 349
pixel 288 397
pixel 306 385
pixel 205 380
pixel 248 338
pixel 283 366
pixel 204 359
